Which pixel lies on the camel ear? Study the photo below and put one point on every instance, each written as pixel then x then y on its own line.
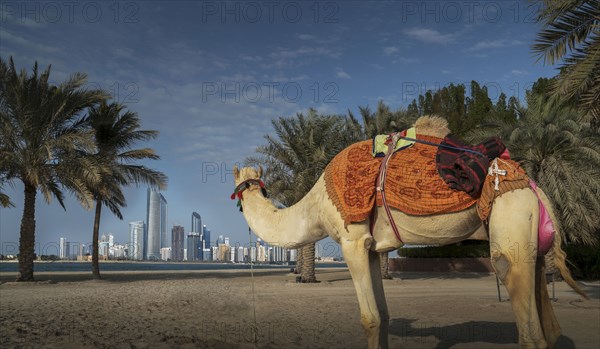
pixel 236 172
pixel 260 171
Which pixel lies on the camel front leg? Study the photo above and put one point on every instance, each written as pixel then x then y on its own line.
pixel 377 280
pixel 357 255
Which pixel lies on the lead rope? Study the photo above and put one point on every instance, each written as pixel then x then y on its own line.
pixel 255 325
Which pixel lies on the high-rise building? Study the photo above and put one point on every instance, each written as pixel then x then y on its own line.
pixel 63 248
pixel 135 248
pixel 156 224
pixel 194 247
pixel 177 237
pixel 196 223
pixel 103 249
pixel 207 255
pixel 206 237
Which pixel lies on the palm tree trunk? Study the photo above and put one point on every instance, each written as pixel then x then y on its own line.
pixel 95 263
pixel 308 264
pixel 27 235
pixel 385 264
pixel 299 259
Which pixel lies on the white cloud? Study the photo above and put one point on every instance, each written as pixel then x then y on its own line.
pixel 390 50
pixel 294 57
pixel 306 37
pixel 519 72
pixel 340 73
pixel 404 60
pixel 430 35
pixel 445 71
pixel 19 40
pixel 306 51
pixel 252 58
pixel 489 44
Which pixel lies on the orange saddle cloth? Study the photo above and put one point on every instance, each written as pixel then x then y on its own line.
pixel 412 185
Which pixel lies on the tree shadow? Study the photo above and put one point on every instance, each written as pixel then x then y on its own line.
pixel 414 275
pixel 466 332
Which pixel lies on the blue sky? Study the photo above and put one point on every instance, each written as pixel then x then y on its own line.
pixel 210 76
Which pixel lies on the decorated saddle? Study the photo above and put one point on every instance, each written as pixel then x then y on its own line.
pixel 413 183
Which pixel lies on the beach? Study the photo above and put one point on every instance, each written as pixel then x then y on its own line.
pixel 215 309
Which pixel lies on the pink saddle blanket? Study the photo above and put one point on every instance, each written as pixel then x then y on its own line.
pixel 545 225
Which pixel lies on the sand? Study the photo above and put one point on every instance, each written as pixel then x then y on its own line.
pixel 214 309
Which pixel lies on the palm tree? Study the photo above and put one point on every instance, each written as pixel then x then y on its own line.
pixel 116 131
pixel 294 161
pixel 562 154
pixel 571 33
pixel 42 141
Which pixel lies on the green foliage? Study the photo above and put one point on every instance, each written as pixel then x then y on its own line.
pixel 571 34
pixel 115 133
pixel 585 260
pixel 466 249
pixel 464 113
pixel 42 132
pixel 297 156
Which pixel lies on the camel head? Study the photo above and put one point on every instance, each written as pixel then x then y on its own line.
pixel 248 178
pixel 246 173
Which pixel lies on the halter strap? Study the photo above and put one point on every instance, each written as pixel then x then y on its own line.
pixel 238 191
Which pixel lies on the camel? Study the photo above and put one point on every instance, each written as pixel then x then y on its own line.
pixel 512 232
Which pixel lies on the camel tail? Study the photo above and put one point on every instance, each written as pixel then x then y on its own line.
pixel 559 256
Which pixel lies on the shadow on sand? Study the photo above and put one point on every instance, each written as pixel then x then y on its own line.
pixel 449 336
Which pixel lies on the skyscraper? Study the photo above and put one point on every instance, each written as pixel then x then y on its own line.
pixel 135 249
pixel 206 236
pixel 63 248
pixel 196 223
pixel 177 237
pixel 194 247
pixel 156 224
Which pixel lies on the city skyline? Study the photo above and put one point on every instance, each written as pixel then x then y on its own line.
pixel 223 251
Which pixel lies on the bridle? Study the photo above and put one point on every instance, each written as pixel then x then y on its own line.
pixel 239 190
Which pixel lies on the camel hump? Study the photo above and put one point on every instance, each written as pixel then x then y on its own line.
pixel 432 125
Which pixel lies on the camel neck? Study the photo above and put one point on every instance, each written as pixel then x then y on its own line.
pixel 289 227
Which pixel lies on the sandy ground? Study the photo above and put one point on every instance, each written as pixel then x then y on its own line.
pixel 213 309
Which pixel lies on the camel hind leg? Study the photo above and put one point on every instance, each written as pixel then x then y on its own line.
pixel 513 242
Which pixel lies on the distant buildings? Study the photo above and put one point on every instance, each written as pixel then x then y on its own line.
pixel 165 253
pixel 194 247
pixel 149 241
pixel 177 243
pixel 206 236
pixel 196 223
pixel 156 224
pixel 64 248
pixel 135 248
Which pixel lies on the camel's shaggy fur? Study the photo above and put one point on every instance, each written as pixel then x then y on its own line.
pixel 432 125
